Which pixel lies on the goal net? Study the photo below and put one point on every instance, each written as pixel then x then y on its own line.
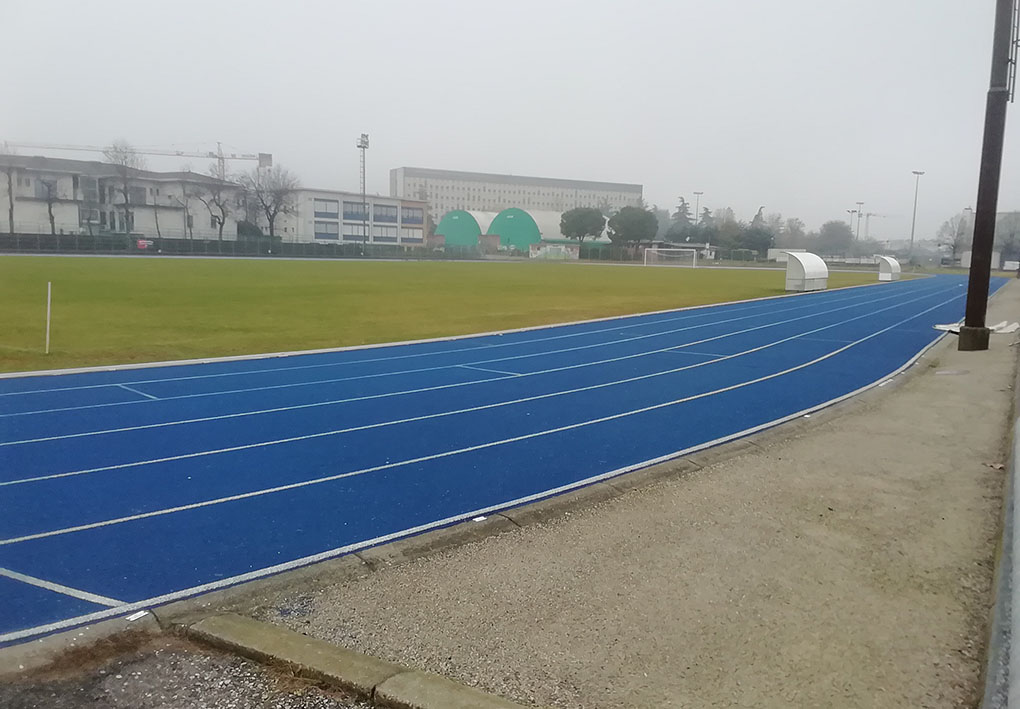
pixel 671 257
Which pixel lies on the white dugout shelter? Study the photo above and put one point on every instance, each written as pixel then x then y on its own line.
pixel 805 272
pixel 888 269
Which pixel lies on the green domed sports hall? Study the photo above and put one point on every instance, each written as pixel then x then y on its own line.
pixel 516 229
pixel 459 228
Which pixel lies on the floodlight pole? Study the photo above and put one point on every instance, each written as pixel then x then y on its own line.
pixel 860 211
pixel 913 220
pixel 974 333
pixel 363 146
pixel 697 207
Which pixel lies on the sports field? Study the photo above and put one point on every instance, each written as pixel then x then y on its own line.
pixel 122 310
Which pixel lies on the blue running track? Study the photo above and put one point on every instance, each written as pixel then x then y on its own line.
pixel 123 489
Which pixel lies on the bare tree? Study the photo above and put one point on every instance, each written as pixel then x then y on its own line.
pixel 953 236
pixel 123 156
pixel 218 197
pixel 49 193
pixel 272 191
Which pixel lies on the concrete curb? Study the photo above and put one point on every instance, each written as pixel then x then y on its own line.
pixel 385 684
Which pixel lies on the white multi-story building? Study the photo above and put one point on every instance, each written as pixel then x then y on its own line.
pixel 329 215
pixel 446 190
pixel 43 195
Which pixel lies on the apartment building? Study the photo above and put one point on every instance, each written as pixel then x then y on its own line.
pixel 447 190
pixel 90 197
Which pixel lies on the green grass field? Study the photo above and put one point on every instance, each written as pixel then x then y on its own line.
pixel 120 310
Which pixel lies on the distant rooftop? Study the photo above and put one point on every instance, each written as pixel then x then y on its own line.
pixel 96 168
pixel 426 172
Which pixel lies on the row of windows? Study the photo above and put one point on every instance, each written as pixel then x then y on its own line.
pixel 330 209
pixel 332 230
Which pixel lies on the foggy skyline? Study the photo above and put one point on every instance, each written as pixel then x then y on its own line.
pixel 802 107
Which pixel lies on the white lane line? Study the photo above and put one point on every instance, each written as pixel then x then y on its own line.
pixel 674 349
pixel 490 371
pixel 864 298
pixel 458 451
pixel 60 588
pixel 409 391
pixel 135 391
pixel 687 313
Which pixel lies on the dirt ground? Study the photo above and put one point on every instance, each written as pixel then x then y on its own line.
pixel 164 673
pixel 848 564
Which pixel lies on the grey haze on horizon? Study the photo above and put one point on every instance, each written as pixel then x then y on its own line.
pixel 802 106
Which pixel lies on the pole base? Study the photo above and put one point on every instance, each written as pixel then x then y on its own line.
pixel 973 339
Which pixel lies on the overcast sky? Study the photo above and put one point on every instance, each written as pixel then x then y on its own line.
pixel 803 106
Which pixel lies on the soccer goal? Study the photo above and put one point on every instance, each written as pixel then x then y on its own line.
pixel 671 257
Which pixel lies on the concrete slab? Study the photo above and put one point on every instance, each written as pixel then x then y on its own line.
pixel 314 659
pixel 418 690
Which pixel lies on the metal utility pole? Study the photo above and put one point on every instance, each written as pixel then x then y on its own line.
pixel 974 334
pixel 363 146
pixel 860 211
pixel 852 212
pixel 697 207
pixel 913 220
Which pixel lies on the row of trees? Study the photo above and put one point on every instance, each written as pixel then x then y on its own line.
pixel 266 192
pixel 637 225
pixel 955 235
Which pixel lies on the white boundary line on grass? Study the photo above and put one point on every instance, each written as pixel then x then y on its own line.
pixel 448 338
pixel 154 601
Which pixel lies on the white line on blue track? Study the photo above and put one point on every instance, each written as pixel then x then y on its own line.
pixel 60 588
pixel 673 348
pixel 135 391
pixel 466 449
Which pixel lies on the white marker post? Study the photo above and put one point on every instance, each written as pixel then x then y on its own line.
pixel 49 300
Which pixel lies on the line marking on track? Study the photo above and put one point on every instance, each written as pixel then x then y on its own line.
pixel 672 348
pixel 457 451
pixel 686 315
pixel 424 417
pixel 60 588
pixel 490 371
pixel 135 391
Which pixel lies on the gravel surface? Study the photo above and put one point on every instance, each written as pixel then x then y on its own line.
pixel 169 674
pixel 848 565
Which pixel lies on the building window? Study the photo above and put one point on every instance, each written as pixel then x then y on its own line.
pixel 355 211
pixel 213 221
pixel 328 208
pixel 354 232
pixel 385 213
pixel 137 195
pixel 384 231
pixel 412 215
pixel 327 230
pixel 412 236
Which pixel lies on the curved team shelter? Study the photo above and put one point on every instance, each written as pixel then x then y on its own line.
pixel 512 229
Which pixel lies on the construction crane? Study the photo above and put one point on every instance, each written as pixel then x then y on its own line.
pixel 867 221
pixel 264 159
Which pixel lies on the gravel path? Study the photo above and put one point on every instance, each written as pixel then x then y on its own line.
pixel 169 674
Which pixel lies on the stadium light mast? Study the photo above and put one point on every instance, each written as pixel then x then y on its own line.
pixel 851 212
pixel 913 220
pixel 860 211
pixel 697 207
pixel 363 146
pixel 974 333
